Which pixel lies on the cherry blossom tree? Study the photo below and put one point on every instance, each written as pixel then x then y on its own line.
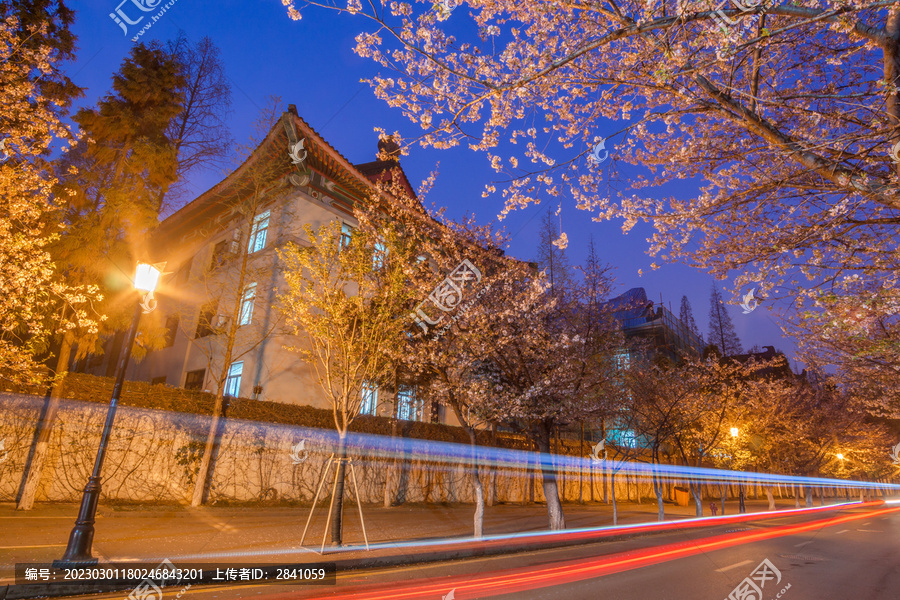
pixel 347 303
pixel 36 303
pixel 452 340
pixel 788 115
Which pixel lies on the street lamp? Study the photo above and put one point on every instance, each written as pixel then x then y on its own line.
pixel 78 549
pixel 839 456
pixel 734 432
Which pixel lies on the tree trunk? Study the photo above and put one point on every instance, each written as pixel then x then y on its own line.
pixel 658 488
pixel 337 506
pixel 394 464
pixel 548 479
pixel 821 495
pixel 697 492
pixel 581 468
pixel 809 496
pixel 612 485
pixel 724 493
pixel 479 490
pixel 771 498
pixel 34 466
pixel 796 495
pixel 201 486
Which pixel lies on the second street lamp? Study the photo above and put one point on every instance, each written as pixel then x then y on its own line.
pixel 81 538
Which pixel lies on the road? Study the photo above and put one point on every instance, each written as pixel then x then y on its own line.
pixel 842 555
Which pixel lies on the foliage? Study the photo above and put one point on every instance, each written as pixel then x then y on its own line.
pixel 789 120
pixel 110 183
pixel 346 302
pixel 721 329
pixel 36 303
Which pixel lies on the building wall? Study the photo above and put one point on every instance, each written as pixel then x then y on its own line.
pixel 263 346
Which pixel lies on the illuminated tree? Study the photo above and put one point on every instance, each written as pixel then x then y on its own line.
pixel 790 118
pixel 347 302
pixel 37 303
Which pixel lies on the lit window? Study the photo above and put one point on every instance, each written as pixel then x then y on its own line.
pixel 258 232
pixel 346 235
pixel 233 381
pixel 247 299
pixel 369 399
pixel 378 255
pixel 409 408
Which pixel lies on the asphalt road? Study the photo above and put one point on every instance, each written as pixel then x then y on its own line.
pixel 841 555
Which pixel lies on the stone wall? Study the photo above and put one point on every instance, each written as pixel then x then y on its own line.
pixel 154 454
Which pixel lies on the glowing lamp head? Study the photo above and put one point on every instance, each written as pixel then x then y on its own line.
pixel 839 456
pixel 146 277
pixel 734 432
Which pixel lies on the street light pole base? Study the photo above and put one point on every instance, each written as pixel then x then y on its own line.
pixel 81 538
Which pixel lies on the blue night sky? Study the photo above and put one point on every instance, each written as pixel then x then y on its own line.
pixel 311 63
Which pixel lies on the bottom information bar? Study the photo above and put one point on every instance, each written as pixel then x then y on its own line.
pixel 148 578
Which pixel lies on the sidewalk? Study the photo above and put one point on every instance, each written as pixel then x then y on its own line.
pixel 272 534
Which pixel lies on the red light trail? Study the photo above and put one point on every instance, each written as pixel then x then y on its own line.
pixel 527 578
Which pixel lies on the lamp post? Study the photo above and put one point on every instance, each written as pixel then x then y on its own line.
pixel 78 549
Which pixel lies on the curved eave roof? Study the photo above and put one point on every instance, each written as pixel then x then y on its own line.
pixel 273 153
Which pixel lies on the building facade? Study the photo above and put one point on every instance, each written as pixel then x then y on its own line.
pixel 218 302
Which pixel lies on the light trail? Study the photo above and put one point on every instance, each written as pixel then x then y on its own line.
pixel 535 538
pixel 372 450
pixel 522 579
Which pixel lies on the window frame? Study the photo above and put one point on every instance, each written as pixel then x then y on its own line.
pixel 201 382
pixel 346 234
pixel 369 395
pixel 409 406
pixel 248 302
pixel 232 377
pixel 259 230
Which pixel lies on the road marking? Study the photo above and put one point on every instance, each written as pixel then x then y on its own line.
pixel 42 546
pixel 871 530
pixel 801 544
pixel 734 566
pixel 842 531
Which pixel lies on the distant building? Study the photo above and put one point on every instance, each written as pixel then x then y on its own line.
pixel 781 369
pixel 642 320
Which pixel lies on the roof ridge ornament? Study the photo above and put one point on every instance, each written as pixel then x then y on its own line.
pixel 294 151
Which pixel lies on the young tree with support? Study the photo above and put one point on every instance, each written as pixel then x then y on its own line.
pixel 346 301
pixel 237 281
